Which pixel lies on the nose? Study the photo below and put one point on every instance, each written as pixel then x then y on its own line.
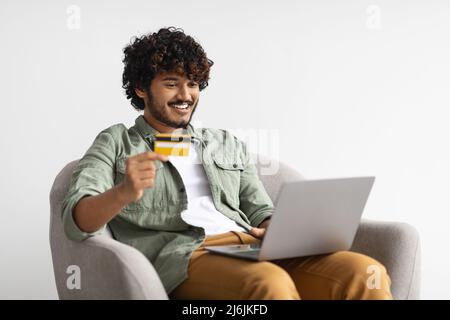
pixel 184 94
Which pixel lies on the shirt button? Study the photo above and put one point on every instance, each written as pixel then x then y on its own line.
pixel 182 190
pixel 234 165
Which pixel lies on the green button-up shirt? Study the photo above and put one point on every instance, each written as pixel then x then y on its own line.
pixel 153 224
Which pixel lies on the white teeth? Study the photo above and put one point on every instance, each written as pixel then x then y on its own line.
pixel 181 106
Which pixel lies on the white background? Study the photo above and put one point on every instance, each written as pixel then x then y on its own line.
pixel 350 87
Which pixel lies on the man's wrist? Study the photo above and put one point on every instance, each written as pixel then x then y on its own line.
pixel 121 195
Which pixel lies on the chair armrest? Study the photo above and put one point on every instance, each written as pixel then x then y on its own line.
pixel 111 270
pixel 397 246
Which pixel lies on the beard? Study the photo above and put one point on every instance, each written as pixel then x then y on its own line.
pixel 161 113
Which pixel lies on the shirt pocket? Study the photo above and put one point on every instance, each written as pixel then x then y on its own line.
pixel 152 198
pixel 229 173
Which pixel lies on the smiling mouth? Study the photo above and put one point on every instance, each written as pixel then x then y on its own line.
pixel 181 106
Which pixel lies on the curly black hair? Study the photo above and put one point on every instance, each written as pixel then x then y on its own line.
pixel 168 50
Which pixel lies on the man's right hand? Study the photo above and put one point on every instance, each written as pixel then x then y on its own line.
pixel 140 174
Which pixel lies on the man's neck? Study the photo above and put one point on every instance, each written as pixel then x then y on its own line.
pixel 155 124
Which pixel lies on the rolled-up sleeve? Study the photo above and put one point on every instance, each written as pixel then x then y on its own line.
pixel 93 175
pixel 253 197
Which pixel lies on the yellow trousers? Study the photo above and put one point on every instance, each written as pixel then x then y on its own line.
pixel 340 275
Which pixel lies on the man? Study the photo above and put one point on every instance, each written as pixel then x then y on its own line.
pixel 170 207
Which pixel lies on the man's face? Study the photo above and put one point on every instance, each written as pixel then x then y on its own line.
pixel 172 99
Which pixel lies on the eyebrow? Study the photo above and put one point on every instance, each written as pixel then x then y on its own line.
pixel 171 78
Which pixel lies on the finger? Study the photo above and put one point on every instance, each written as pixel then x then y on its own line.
pixel 148 183
pixel 254 232
pixel 145 165
pixel 258 232
pixel 146 175
pixel 263 233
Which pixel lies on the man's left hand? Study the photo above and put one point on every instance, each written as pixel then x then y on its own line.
pixel 261 230
pixel 258 232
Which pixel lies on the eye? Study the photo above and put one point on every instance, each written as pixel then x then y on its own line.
pixel 193 84
pixel 170 85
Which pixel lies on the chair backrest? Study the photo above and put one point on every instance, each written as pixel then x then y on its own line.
pixel 271 172
pixel 57 194
pixel 59 244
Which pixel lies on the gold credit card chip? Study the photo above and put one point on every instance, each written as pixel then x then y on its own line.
pixel 172 144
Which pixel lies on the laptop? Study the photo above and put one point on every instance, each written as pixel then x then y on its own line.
pixel 311 217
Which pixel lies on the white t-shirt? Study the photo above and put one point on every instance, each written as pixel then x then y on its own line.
pixel 201 211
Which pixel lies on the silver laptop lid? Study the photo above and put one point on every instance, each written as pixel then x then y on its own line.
pixel 316 216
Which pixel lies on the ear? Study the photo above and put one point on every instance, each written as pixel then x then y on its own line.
pixel 140 93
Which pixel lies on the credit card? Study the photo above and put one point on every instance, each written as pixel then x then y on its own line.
pixel 172 144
